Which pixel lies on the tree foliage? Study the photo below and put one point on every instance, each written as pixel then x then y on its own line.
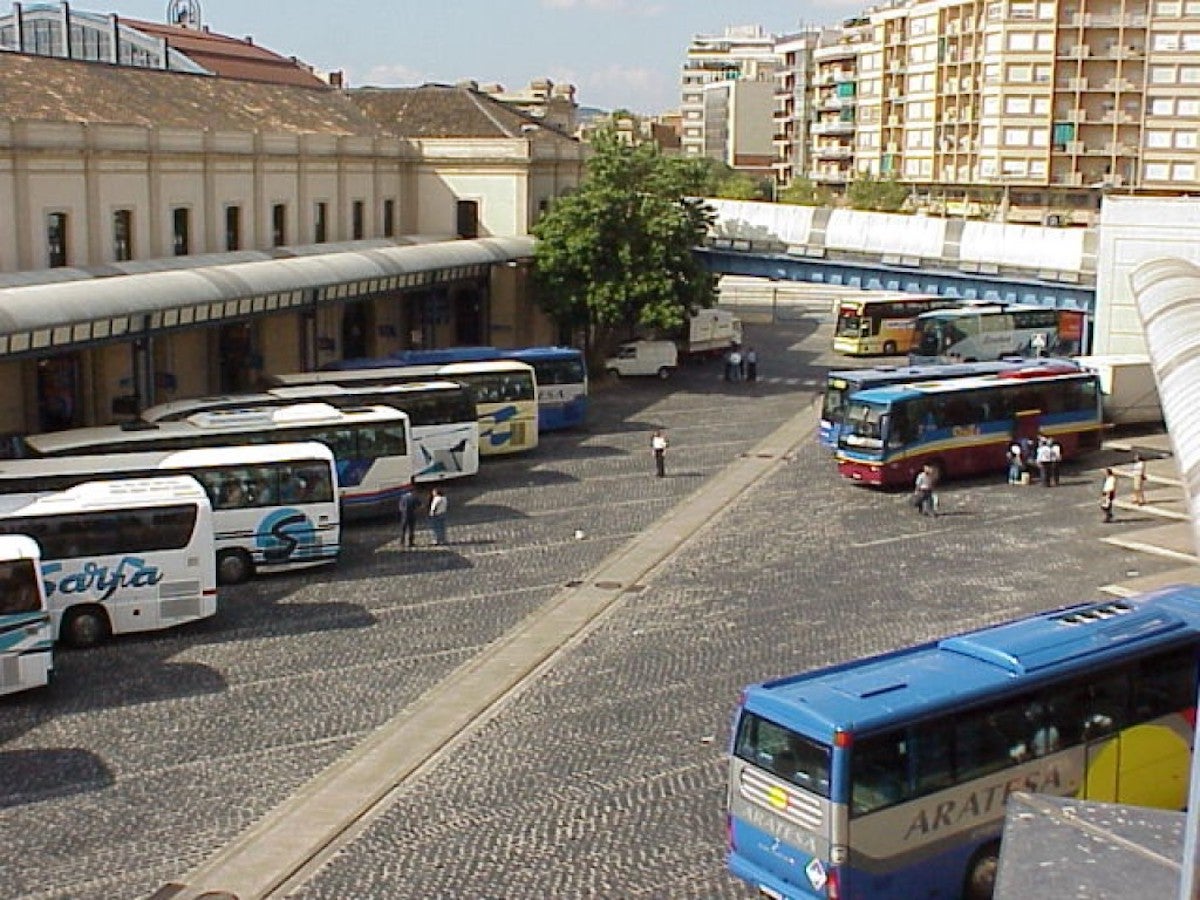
pixel 804 192
pixel 879 194
pixel 615 257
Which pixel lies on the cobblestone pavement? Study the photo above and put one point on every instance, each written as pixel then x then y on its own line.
pixel 605 776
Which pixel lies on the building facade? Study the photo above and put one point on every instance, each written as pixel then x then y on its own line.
pixel 1038 105
pixel 117 171
pixel 742 53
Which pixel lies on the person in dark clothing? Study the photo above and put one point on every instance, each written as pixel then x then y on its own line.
pixel 410 508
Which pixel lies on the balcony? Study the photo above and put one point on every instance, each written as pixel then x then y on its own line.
pixel 1079 51
pixel 1116 117
pixel 1069 179
pixel 832 128
pixel 832 151
pixel 1120 150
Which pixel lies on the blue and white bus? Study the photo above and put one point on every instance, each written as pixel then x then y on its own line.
pixel 26 635
pixel 371 444
pixel 886 777
pixel 275 506
pixel 504 391
pixel 120 556
pixel 445 430
pixel 841 383
pixel 562 384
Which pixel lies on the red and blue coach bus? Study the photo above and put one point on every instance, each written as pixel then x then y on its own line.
pixel 886 777
pixel 965 426
pixel 840 384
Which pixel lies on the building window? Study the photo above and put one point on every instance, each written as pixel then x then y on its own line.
pixel 356 224
pixel 320 217
pixel 233 228
pixel 278 225
pixel 56 239
pixel 181 227
pixel 468 219
pixel 123 235
pixel 389 218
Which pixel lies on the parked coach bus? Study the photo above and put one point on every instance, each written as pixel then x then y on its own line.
pixel 885 778
pixel 445 432
pixel 840 384
pixel 561 372
pixel 871 325
pixel 965 426
pixel 370 444
pixel 275 506
pixel 504 391
pixel 26 634
pixel 990 331
pixel 120 556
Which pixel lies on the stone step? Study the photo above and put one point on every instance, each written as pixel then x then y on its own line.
pixel 1141 584
pixel 1174 541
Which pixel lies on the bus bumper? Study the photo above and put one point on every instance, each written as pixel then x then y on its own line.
pixel 863 472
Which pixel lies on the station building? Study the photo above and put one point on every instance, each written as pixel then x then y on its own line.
pixel 182 211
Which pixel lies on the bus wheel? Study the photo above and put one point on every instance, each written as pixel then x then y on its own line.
pixel 615 373
pixel 664 373
pixel 981 873
pixel 85 627
pixel 233 566
pixel 889 348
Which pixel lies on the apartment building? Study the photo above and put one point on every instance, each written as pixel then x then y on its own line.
pixel 743 53
pixel 793 105
pixel 841 97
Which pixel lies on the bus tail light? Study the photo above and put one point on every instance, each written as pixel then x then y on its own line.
pixel 729 832
pixel 833 887
pixel 842 739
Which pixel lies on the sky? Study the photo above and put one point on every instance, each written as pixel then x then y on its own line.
pixel 617 53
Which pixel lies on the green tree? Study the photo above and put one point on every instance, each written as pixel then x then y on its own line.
pixel 804 192
pixel 879 194
pixel 616 255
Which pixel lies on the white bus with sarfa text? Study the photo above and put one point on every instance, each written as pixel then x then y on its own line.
pixel 26 638
pixel 120 556
pixel 274 505
pixel 371 444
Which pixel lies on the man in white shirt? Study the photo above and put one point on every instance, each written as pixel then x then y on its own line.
pixel 658 446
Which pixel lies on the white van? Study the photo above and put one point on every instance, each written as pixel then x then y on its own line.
pixel 644 358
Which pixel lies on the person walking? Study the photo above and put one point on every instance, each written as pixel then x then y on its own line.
pixel 658 446
pixel 751 364
pixel 1138 471
pixel 1108 494
pixel 735 364
pixel 923 498
pixel 437 515
pixel 410 507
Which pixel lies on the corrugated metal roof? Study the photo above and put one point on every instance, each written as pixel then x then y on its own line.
pixel 90 309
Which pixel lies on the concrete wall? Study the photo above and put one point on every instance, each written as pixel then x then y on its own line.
pixel 1134 230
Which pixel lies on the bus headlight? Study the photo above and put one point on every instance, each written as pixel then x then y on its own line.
pixel 838 854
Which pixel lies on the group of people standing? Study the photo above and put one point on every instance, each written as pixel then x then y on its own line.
pixel 741 366
pixel 1045 458
pixel 410 514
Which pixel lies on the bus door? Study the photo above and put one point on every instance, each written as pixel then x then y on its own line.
pixel 1027 424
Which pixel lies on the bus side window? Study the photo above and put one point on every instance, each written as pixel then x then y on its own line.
pixel 1164 685
pixel 1107 702
pixel 880 773
pixel 934 752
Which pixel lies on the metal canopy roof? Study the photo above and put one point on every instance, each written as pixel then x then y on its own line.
pixel 40 318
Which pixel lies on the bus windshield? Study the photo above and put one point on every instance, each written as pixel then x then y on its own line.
pixel 850 323
pixel 784 753
pixel 864 424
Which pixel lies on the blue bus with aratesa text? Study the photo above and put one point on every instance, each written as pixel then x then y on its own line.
pixel 886 777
